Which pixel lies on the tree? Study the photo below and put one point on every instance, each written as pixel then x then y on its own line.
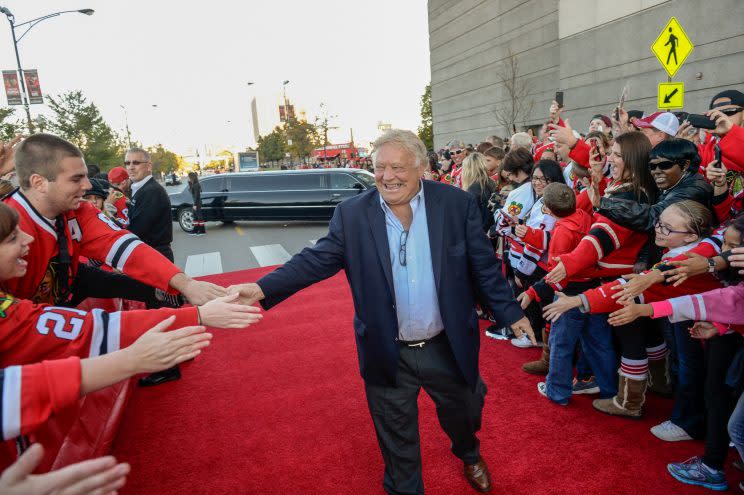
pixel 517 106
pixel 271 147
pixel 304 137
pixel 9 127
pixel 164 161
pixel 426 129
pixel 81 123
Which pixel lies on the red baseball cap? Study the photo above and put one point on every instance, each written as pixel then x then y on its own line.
pixel 118 174
pixel 664 121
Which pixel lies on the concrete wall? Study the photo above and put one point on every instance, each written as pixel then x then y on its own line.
pixel 587 48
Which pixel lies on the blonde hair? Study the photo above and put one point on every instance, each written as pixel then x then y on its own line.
pixel 474 171
pixel 699 218
pixel 407 140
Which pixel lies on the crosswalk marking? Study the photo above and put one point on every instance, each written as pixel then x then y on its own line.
pixel 198 265
pixel 271 254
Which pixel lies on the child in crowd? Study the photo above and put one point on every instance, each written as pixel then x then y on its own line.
pixel 593 332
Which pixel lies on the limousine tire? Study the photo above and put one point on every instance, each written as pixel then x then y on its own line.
pixel 227 222
pixel 186 219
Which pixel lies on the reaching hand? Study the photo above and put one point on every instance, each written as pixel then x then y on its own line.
pixel 563 303
pixel 723 122
pixel 636 285
pixel 7 155
pixel 692 266
pixel 629 313
pixel 158 350
pixel 226 312
pixel 523 327
pixel 96 476
pixel 198 292
pixel 596 160
pixel 520 231
pixel 703 330
pixel 524 300
pixel 717 176
pixel 249 293
pixel 686 131
pixel 562 135
pixel 557 274
pixel 737 259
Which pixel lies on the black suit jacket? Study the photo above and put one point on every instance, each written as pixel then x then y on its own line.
pixel 465 268
pixel 150 215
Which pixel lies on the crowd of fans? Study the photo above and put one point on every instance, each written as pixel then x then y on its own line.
pixel 619 243
pixel 622 244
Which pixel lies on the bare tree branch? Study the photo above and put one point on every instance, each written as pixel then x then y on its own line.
pixel 518 105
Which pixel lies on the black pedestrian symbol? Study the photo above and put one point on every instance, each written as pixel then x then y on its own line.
pixel 673 41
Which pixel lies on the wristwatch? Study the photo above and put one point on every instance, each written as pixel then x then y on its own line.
pixel 711 265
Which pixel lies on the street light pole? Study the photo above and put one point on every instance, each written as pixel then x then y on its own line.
pixel 126 125
pixel 17 39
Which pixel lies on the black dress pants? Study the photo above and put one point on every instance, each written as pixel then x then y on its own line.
pixel 394 411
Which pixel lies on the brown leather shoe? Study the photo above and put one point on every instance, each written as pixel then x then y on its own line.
pixel 478 476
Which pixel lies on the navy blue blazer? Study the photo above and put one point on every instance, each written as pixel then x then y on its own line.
pixel 465 270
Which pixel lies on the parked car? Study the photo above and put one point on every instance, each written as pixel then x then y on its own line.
pixel 276 195
pixel 172 179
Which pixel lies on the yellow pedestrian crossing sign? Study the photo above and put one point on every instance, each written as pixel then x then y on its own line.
pixel 672 47
pixel 671 95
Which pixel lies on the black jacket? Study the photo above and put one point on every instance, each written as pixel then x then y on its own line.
pixel 150 215
pixel 642 217
pixel 195 190
pixel 482 197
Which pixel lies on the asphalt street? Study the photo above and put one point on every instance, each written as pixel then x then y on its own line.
pixel 241 245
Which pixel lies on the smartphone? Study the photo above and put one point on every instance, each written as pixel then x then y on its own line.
pixel 621 103
pixel 700 121
pixel 594 150
pixel 718 156
pixel 559 98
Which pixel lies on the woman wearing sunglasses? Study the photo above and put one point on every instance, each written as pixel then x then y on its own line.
pixel 673 164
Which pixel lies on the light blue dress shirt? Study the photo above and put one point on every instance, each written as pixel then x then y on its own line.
pixel 415 288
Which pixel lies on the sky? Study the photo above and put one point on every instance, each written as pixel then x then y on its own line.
pixel 181 68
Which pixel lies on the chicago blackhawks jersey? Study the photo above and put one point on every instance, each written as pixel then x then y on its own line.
pixel 32 332
pixel 31 394
pixel 89 233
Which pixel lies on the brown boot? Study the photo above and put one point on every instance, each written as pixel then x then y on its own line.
pixel 631 394
pixel 659 381
pixel 539 367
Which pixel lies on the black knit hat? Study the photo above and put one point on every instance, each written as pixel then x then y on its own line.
pixel 98 188
pixel 736 97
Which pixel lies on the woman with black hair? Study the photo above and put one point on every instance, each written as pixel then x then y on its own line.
pixel 673 164
pixel 195 189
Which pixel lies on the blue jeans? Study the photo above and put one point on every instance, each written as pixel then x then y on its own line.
pixel 736 426
pixel 689 403
pixel 595 335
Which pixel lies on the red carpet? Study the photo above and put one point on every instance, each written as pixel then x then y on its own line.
pixel 279 408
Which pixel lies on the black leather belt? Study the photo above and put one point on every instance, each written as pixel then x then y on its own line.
pixel 421 343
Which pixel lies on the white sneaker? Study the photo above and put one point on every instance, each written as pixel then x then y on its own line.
pixel 498 334
pixel 523 342
pixel 669 432
pixel 542 388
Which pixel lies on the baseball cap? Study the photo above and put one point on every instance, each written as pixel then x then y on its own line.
pixel 604 118
pixel 664 121
pixel 735 97
pixel 118 174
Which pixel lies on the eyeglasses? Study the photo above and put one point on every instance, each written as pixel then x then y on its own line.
pixel 456 152
pixel 662 165
pixel 731 111
pixel 538 179
pixel 402 251
pixel 134 162
pixel 665 230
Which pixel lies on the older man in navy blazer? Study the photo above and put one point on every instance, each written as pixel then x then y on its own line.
pixel 417 262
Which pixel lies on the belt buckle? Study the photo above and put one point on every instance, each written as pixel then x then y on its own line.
pixel 418 344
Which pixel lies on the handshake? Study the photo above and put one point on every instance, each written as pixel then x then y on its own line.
pixel 247 294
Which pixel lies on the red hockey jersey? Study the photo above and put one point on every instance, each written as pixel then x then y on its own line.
pixel 89 233
pixel 31 394
pixel 30 333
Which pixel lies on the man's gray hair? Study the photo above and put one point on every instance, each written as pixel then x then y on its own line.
pixel 144 153
pixel 521 140
pixel 407 140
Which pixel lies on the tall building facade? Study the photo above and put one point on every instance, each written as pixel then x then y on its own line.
pixel 485 54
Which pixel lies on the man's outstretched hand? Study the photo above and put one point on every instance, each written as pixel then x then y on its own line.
pixel 248 293
pixel 523 327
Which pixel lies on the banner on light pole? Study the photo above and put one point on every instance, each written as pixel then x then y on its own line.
pixel 12 89
pixel 33 87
